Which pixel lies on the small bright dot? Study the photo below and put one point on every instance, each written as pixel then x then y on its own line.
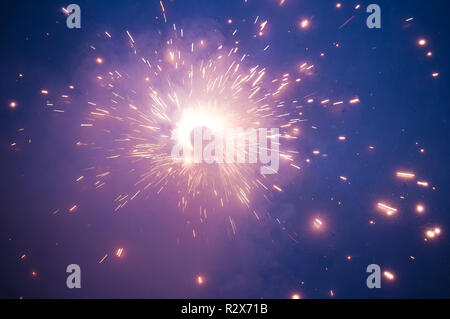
pixel 349 257
pixel 304 23
pixel 389 275
pixel 429 53
pixel 296 296
pixel 317 223
pixel 13 105
pixel 435 75
pixel 420 209
pixel 230 21
pixel 338 5
pixel 422 42
pixel 99 60
pixel 200 280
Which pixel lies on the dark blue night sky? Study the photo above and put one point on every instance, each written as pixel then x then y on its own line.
pixel 399 124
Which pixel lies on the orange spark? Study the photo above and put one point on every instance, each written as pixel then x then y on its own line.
pixel 389 275
pixel 304 24
pixel 119 252
pixel 432 232
pixel 420 208
pixel 405 175
pixel 262 26
pixel 348 20
pixel 200 280
pixel 387 209
pixel 103 259
pixel 317 223
pixel 422 183
pixel 277 188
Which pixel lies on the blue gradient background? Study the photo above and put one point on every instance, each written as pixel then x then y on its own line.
pixel 400 104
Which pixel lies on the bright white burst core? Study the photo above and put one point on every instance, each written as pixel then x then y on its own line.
pixel 193 118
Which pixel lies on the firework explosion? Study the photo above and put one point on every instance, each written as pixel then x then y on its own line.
pixel 138 114
pixel 138 101
pixel 142 113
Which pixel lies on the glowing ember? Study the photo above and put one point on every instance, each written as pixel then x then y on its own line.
pixel 387 209
pixel 119 252
pixel 304 24
pixel 389 275
pixel 200 280
pixel 317 223
pixel 420 208
pixel 433 232
pixel 405 175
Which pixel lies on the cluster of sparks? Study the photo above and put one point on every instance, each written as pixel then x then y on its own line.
pixel 174 97
pixel 134 120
